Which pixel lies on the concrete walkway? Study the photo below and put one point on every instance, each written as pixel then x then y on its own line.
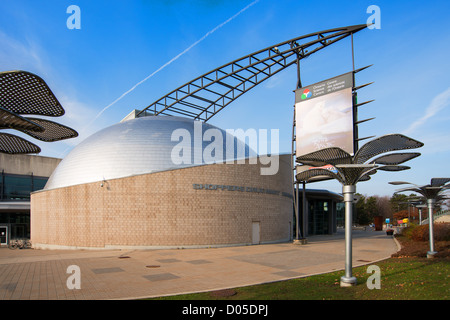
pixel 130 274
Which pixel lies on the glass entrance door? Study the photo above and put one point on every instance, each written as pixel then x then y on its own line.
pixel 319 215
pixel 3 235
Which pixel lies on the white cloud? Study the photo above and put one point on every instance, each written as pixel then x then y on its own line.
pixel 438 103
pixel 273 82
pixel 434 144
pixel 22 55
pixel 172 60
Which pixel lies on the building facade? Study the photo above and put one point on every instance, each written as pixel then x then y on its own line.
pixel 121 188
pixel 202 206
pixel 20 175
pixel 124 187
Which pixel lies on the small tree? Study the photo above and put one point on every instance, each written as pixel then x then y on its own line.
pixel 384 206
pixel 366 209
pixel 361 216
pixel 399 202
pixel 371 207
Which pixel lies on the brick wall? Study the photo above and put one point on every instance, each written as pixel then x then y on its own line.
pixel 165 209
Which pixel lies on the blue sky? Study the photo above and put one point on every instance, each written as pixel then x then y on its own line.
pixel 121 43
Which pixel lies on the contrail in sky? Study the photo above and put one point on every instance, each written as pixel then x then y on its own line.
pixel 439 102
pixel 172 60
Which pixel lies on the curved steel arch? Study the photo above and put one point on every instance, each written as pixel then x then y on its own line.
pixel 205 96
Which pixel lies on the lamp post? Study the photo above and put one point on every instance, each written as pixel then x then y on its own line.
pixel 430 203
pixel 431 193
pixel 349 170
pixel 349 193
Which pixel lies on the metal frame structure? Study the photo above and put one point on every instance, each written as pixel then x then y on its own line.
pixel 205 96
pixel 356 140
pixel 431 193
pixel 352 169
pixel 24 93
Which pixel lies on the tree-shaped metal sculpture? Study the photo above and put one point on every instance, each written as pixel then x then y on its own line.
pixel 352 169
pixel 432 193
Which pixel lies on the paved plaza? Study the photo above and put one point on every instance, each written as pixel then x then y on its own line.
pixel 131 274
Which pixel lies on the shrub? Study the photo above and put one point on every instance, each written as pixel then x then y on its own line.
pixel 407 232
pixel 441 232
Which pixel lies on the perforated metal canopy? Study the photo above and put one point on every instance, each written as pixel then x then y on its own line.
pixel 350 169
pixel 12 144
pixel 386 143
pixel 310 174
pixel 333 156
pixel 24 93
pixel 10 120
pixel 395 158
pixel 393 168
pixel 438 182
pixel 52 131
pixel 435 190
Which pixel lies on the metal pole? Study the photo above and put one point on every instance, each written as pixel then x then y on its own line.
pixel 294 181
pixel 297 225
pixel 294 195
pixel 353 53
pixel 305 211
pixel 297 195
pixel 409 214
pixel 349 193
pixel 431 202
pixel 299 81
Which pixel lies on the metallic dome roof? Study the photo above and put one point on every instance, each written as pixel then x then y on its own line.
pixel 140 146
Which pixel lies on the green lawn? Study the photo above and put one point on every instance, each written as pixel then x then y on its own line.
pixel 408 275
pixel 401 279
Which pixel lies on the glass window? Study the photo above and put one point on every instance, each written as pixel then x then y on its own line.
pixel 39 183
pixel 4 217
pixel 17 187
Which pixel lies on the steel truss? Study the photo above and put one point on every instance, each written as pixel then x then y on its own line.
pixel 205 96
